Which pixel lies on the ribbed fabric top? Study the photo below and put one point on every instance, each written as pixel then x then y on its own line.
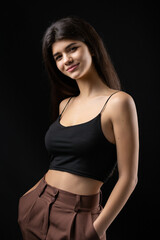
pixel 81 149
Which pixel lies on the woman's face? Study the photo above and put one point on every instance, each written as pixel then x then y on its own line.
pixel 72 58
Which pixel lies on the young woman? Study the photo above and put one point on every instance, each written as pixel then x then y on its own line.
pixel 94 127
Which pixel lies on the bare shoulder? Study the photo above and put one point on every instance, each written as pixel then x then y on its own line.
pixel 63 104
pixel 121 98
pixel 122 103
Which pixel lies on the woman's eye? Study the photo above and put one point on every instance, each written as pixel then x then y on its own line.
pixel 73 48
pixel 57 57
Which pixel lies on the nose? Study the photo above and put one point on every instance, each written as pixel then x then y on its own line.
pixel 67 59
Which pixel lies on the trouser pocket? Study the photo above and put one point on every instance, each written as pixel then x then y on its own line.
pixel 28 203
pixel 34 210
pixel 93 217
pixel 37 217
pixel 94 234
pixel 25 203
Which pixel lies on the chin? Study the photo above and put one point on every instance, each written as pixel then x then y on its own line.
pixel 81 76
pixel 76 77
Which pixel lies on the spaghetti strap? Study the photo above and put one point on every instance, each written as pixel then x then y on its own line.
pixel 108 100
pixel 64 107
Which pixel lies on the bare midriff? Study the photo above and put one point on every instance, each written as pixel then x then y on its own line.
pixel 73 183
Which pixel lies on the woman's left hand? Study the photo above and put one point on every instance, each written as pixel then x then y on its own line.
pixel 100 232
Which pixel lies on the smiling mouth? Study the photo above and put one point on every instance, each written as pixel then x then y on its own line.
pixel 72 68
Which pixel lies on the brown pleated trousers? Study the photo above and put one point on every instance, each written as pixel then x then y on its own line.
pixel 49 213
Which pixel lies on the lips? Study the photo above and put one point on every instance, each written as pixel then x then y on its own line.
pixel 71 68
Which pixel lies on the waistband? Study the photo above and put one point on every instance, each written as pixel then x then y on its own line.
pixel 72 200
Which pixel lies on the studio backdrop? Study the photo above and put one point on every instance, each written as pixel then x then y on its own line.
pixel 131 35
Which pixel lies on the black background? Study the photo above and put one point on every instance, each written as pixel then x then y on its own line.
pixel 131 35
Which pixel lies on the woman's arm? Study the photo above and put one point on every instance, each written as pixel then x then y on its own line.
pixel 125 126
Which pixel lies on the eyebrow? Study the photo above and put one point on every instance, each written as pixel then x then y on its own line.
pixel 68 46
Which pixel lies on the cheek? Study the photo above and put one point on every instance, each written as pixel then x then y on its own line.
pixel 59 66
pixel 86 56
pixel 87 60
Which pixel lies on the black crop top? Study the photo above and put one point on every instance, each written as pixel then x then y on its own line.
pixel 81 149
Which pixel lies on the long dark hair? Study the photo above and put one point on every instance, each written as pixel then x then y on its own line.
pixel 74 28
